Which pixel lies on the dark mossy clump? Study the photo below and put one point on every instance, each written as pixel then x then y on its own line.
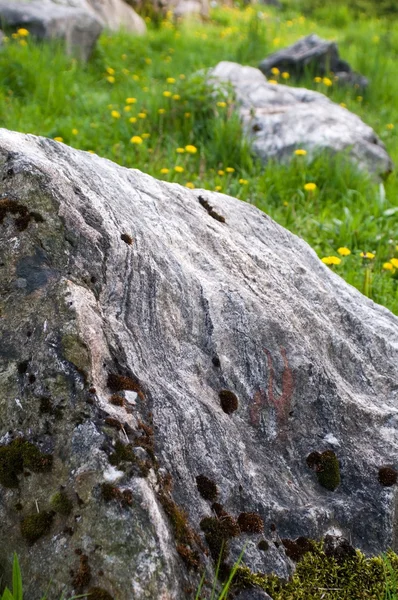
pixel 296 549
pixel 219 510
pixel 117 400
pixel 126 238
pixel 33 527
pixel 46 406
pixel 82 577
pixel 207 488
pixel 313 460
pixel 339 548
pixel 110 492
pixel 21 214
pixel 328 471
pixel 218 532
pixel 61 504
pixel 23 367
pixel 122 453
pixel 18 456
pixel 112 422
pixel 229 401
pixel 388 476
pixel 210 210
pixel 190 557
pixel 216 362
pixel 263 545
pixel 250 523
pixel 146 440
pixel 120 383
pixel 96 593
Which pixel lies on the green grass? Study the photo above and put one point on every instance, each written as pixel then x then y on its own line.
pixel 45 93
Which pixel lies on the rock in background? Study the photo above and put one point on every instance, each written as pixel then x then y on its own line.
pixel 280 118
pixel 316 55
pixel 168 351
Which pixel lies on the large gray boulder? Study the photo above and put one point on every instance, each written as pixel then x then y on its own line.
pixel 316 55
pixel 280 118
pixel 78 27
pixel 165 348
pixel 114 14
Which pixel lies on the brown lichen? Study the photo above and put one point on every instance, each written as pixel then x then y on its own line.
pixel 83 576
pixel 250 522
pixel 296 549
pixel 112 422
pixel 116 400
pixel 120 383
pixel 190 557
pixel 229 401
pixel 125 237
pixel 207 488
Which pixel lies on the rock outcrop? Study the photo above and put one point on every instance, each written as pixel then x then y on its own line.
pixel 280 118
pixel 176 369
pixel 77 26
pixel 316 55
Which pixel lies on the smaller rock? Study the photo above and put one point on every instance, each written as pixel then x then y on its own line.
pixel 318 55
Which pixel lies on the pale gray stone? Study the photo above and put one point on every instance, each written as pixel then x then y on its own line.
pixel 279 119
pixel 194 306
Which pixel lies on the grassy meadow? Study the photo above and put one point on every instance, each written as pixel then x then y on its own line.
pixel 141 102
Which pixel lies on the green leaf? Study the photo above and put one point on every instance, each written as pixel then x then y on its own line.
pixel 16 580
pixel 7 595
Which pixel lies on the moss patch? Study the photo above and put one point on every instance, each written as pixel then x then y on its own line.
pixel 82 577
pixel 250 523
pixel 327 468
pixel 96 593
pixel 218 532
pixel 229 401
pixel 387 476
pixel 18 456
pixel 61 504
pixel 207 488
pixel 33 527
pixel 76 352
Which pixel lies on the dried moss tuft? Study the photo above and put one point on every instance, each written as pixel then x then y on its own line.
pixel 250 523
pixel 207 488
pixel 33 527
pixel 263 545
pixel 229 401
pixel 218 532
pixel 190 557
pixel 119 383
pixel 296 549
pixel 116 400
pixel 96 593
pixel 125 237
pixel 83 576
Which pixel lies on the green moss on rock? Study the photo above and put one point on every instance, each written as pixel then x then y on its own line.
pixel 33 527
pixel 76 352
pixel 328 471
pixel 61 504
pixel 19 455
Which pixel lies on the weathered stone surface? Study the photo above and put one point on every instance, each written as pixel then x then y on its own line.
pixel 318 55
pixel 192 307
pixel 280 118
pixel 114 14
pixel 77 26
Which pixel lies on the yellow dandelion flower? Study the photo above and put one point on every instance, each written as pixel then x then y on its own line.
pixel 317 79
pixel 23 42
pixel 176 97
pixel 179 169
pixel 394 262
pixel 187 115
pixel 170 80
pixel 275 71
pixel 124 56
pixel 135 77
pixel 115 114
pixel 191 149
pixel 190 185
pixel 145 136
pixel 167 94
pixel 359 98
pixel 111 79
pixel 217 188
pixel 230 170
pixel 127 108
pixel 133 119
pixel 131 100
pixel 180 150
pixel 388 266
pixel 300 152
pixel 390 126
pixel 272 81
pixel 145 89
pixel 148 61
pixel 23 32
pixel 58 139
pixel 375 39
pixel 110 71
pixel 285 75
pixel 243 181
pixel 125 71
pixel 221 104
pixel 164 171
pixel 326 81
pixel 75 131
pixel 344 251
pixel 161 111
pixel 221 172
pixel 310 187
pixel 331 260
pixel 368 255
pixel 142 115
pixel 136 139
pixel 285 203
pixel 14 36
pixel 343 104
